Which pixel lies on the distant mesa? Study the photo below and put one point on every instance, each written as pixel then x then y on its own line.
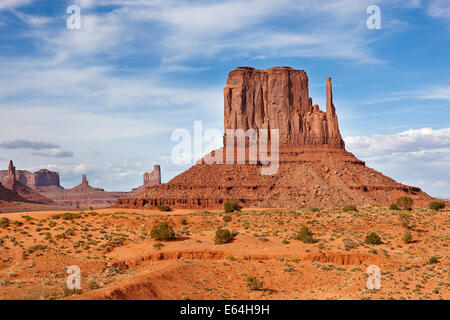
pixel 39 180
pixel 43 187
pixel 18 191
pixel 315 170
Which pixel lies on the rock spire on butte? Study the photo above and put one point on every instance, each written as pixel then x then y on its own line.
pixel 314 170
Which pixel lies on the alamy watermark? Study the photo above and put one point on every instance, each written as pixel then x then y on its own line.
pixel 73 281
pixel 257 144
pixel 73 22
pixel 374 279
pixel 374 20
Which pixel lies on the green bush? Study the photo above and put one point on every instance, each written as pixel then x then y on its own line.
pixel 372 238
pixel 437 205
pixel 305 235
pixel 163 207
pixel 314 209
pixel 349 208
pixel 407 237
pixel 223 236
pixel 67 216
pixel 4 222
pixel 404 202
pixel 433 260
pixel 405 219
pixel 254 284
pixel 394 207
pixel 232 206
pixel 227 218
pixel 183 221
pixel 162 232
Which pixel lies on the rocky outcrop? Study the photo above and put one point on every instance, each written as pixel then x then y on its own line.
pixel 153 178
pixel 278 98
pixel 36 180
pixel 84 195
pixel 314 170
pixel 25 193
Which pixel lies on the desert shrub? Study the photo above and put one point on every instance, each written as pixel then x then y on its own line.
pixel 405 219
pixel 4 222
pixel 372 238
pixel 231 206
pixel 223 236
pixel 394 207
pixel 162 232
pixel 254 284
pixel 433 260
pixel 17 223
pixel 437 205
pixel 163 207
pixel 67 216
pixel 227 218
pixel 183 221
pixel 36 248
pixel 93 285
pixel 349 208
pixel 158 245
pixel 314 209
pixel 404 202
pixel 305 235
pixel 407 237
pixel 349 244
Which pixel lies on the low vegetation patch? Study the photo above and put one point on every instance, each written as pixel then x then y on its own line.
pixel 433 260
pixel 349 208
pixel 372 238
pixel 394 207
pixel 305 235
pixel 4 222
pixel 232 206
pixel 227 218
pixel 162 232
pixel 407 237
pixel 223 236
pixel 163 207
pixel 437 205
pixel 405 203
pixel 254 284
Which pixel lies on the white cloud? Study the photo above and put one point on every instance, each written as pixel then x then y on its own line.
pixel 419 157
pixel 414 140
pixel 9 4
pixel 439 9
pixel 32 20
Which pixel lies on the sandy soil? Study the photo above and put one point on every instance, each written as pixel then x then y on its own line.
pixel 119 260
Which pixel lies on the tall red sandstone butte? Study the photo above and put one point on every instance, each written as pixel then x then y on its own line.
pixel 314 170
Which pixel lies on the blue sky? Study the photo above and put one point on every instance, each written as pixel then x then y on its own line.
pixel 104 100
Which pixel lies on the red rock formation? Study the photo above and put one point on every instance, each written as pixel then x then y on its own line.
pixel 26 193
pixel 314 170
pixel 84 195
pixel 154 177
pixel 278 98
pixel 37 180
pixel 150 179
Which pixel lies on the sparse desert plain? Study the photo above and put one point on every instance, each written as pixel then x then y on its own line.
pixel 119 259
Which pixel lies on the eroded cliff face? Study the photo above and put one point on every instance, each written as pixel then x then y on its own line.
pixel 278 98
pixel 314 170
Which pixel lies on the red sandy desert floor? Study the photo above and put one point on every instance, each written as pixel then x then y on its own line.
pixel 119 260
